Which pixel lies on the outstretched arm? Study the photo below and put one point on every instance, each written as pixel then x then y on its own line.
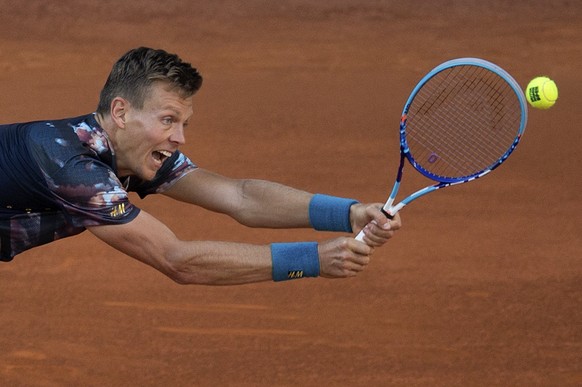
pixel 221 263
pixel 259 203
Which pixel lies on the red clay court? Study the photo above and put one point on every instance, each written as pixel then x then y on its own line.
pixel 481 287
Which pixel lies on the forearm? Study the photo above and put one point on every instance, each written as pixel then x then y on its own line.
pixel 254 203
pixel 222 263
pixel 259 203
pixel 272 205
pixel 187 262
pixel 219 263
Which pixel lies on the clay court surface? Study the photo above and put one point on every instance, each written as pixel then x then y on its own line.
pixel 481 287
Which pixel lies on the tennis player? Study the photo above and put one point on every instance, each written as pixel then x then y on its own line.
pixel 61 177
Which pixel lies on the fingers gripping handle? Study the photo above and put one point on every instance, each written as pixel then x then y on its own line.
pixel 360 236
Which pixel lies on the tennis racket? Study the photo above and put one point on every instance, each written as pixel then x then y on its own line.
pixel 461 121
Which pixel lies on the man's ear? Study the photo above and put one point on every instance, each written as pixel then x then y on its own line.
pixel 119 107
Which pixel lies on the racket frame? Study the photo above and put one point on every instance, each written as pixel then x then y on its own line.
pixel 389 209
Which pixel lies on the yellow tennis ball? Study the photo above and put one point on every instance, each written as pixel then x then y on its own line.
pixel 541 93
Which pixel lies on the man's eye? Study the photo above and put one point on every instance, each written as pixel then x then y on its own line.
pixel 167 120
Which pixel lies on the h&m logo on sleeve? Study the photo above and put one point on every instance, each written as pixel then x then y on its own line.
pixel 117 211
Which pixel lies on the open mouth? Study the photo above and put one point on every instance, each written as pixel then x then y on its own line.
pixel 161 156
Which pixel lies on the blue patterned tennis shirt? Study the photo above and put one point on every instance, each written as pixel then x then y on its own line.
pixel 59 177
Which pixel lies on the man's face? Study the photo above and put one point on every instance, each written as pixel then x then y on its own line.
pixel 151 134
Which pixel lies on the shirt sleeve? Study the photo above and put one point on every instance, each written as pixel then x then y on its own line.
pixel 91 194
pixel 81 185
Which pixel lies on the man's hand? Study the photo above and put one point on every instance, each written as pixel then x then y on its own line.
pixel 343 257
pixel 378 229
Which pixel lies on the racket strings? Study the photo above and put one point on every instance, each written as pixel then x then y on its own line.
pixel 458 144
pixel 463 120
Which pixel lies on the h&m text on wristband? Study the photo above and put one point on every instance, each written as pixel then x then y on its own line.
pixel 294 260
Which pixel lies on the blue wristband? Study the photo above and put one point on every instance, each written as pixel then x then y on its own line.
pixel 294 260
pixel 330 213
